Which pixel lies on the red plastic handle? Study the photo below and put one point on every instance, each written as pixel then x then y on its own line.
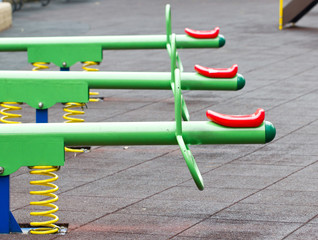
pixel 217 72
pixel 253 120
pixel 203 34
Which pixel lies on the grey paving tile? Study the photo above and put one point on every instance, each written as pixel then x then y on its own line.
pixel 109 235
pixel 279 197
pixel 75 219
pixel 234 181
pixel 278 158
pixel 314 220
pixel 26 236
pixel 155 206
pixel 309 231
pixel 254 170
pixel 133 224
pixel 267 212
pixel 18 200
pixel 211 156
pixel 297 183
pixel 92 203
pixel 214 195
pixel 238 229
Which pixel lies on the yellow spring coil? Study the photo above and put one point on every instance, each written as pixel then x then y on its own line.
pixel 70 112
pixel 45 227
pixel 39 66
pixel 87 67
pixel 68 116
pixel 9 106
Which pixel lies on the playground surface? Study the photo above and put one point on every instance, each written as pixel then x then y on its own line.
pixel 146 192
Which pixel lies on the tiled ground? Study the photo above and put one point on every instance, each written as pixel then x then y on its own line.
pixel 146 192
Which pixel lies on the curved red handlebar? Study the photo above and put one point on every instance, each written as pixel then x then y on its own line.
pixel 217 72
pixel 203 34
pixel 253 120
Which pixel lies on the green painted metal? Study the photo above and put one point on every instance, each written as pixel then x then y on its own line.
pixel 33 151
pixel 142 133
pixel 66 51
pixel 270 132
pixel 49 88
pixel 48 93
pixel 191 163
pixel 42 144
pixel 65 55
pixel 168 23
pixel 181 110
pixel 53 87
pixel 108 42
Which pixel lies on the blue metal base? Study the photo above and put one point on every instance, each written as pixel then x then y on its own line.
pixel 13 225
pixel 8 223
pixel 41 116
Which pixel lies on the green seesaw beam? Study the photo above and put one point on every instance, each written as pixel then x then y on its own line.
pixel 108 42
pixel 66 51
pixel 43 144
pixel 51 87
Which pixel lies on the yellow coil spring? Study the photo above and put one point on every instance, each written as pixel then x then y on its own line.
pixel 68 116
pixel 9 106
pixel 45 227
pixel 39 66
pixel 87 67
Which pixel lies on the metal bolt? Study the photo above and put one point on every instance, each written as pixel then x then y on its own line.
pixel 64 64
pixel 40 104
pixel 1 170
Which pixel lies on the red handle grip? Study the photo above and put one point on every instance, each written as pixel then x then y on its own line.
pixel 253 120
pixel 217 72
pixel 202 34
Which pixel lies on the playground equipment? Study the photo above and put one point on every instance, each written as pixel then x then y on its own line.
pixel 66 51
pixel 50 140
pixel 41 90
pixel 294 11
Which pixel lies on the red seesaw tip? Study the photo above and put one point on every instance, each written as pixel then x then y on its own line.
pixel 202 34
pixel 217 72
pixel 238 121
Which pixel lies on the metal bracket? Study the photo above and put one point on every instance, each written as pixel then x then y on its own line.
pixel 181 111
pixel 65 55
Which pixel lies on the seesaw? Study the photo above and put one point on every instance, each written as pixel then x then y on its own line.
pixel 50 140
pixel 66 51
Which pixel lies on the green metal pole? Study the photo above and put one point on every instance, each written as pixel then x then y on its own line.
pixel 110 42
pixel 127 80
pixel 48 88
pixel 66 51
pixel 43 144
pixel 142 133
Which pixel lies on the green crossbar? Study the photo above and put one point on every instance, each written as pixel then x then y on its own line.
pixel 54 87
pixel 66 51
pixel 42 144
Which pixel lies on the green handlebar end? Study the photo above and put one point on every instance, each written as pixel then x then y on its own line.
pixel 240 81
pixel 221 41
pixel 270 132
